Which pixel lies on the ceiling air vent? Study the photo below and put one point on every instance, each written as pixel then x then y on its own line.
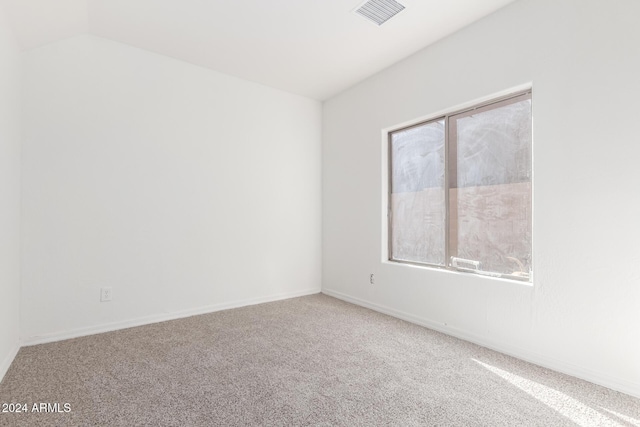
pixel 379 11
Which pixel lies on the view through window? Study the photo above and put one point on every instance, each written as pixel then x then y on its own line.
pixel 460 190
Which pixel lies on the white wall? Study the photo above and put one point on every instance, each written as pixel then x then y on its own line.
pixel 582 313
pixel 183 189
pixel 10 69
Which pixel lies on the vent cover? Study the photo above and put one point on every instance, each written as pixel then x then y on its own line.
pixel 379 11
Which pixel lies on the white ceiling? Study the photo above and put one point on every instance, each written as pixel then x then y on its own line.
pixel 314 48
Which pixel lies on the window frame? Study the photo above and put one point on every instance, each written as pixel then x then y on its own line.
pixel 479 107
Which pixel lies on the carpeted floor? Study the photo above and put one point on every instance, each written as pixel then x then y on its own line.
pixel 310 361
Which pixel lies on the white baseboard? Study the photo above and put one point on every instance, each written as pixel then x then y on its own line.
pixel 618 384
pixel 6 363
pixel 109 327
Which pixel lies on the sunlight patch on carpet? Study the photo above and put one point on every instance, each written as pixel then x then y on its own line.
pixel 559 402
pixel 633 421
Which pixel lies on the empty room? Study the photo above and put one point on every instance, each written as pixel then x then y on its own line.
pixel 319 213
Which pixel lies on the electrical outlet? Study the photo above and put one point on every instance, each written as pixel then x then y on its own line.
pixel 372 279
pixel 105 294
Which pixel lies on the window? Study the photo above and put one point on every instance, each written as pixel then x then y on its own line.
pixel 460 190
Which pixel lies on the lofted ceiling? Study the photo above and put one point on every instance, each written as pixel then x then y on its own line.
pixel 314 48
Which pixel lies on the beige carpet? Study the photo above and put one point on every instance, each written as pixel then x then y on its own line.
pixel 310 361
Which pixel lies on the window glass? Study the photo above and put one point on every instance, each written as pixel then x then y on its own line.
pixel 490 189
pixel 418 194
pixel 462 198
